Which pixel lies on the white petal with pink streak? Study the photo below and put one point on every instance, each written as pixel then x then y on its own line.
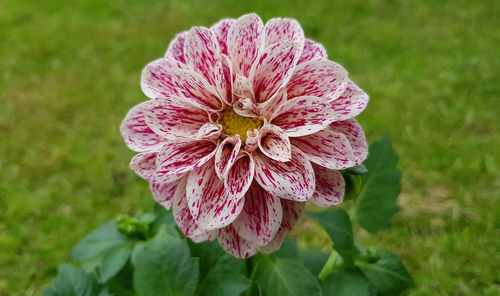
pixel 240 176
pixel 274 143
pixel 357 139
pixel 175 49
pixel 144 165
pixel 283 29
pixel 312 51
pixel 302 116
pixel 220 30
pixel 137 134
pixel 272 70
pixel 292 180
pixel 261 216
pixel 157 79
pixel 163 193
pixel 226 154
pixel 245 40
pixel 210 203
pixel 330 187
pixel 352 102
pixel 174 118
pixel 320 78
pixel 181 157
pixel 195 89
pixel 234 244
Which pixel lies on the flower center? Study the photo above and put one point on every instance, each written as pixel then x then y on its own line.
pixel 233 123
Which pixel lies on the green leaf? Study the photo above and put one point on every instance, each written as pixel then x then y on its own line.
pixel 102 238
pixel 225 278
pixel 347 283
pixel 163 266
pixel 338 226
pixel 387 274
pixel 357 170
pixel 113 261
pixel 376 203
pixel 288 249
pixel 281 276
pixel 72 281
pixel 208 253
pixel 313 259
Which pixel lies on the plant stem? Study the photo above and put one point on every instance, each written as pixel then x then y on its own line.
pixel 327 268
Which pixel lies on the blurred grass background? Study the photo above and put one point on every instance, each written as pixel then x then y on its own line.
pixel 70 71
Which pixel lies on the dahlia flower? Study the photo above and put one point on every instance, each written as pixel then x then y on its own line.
pixel 245 123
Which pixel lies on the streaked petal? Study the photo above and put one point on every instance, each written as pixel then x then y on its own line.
pixel 274 143
pixel 157 79
pixel 320 78
pixel 144 165
pixel 220 31
pixel 261 216
pixel 327 148
pixel 245 40
pixel 175 49
pixel 252 142
pixel 242 87
pixel 174 117
pixel 302 116
pixel 352 102
pixel 225 156
pixel 330 187
pixel 273 69
pixel 234 244
pixel 246 108
pixel 357 139
pixel 312 51
pixel 274 244
pixel 163 193
pixel 209 131
pixel 210 203
pixel 184 220
pixel 181 157
pixel 196 89
pixel 240 176
pixel 283 29
pixel 292 211
pixel 202 52
pixel 137 134
pixel 292 180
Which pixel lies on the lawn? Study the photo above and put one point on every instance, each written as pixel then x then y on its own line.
pixel 70 72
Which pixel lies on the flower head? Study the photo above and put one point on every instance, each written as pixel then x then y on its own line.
pixel 245 123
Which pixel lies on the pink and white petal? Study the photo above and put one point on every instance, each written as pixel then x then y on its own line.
pixel 197 90
pixel 209 202
pixel 174 117
pixel 163 193
pixel 252 142
pixel 246 108
pixel 267 108
pixel 144 165
pixel 275 244
pixel 181 157
pixel 274 143
pixel 137 134
pixel 227 68
pixel 245 40
pixel 226 154
pixel 356 136
pixel 283 29
pixel 327 148
pixel 272 70
pixel 261 216
pixel 202 53
pixel 242 87
pixel 240 176
pixel 183 217
pixel 312 51
pixel 234 244
pixel 320 78
pixel 352 102
pixel 302 116
pixel 209 131
pixel 330 187
pixel 292 211
pixel 292 180
pixel 220 31
pixel 175 49
pixel 157 79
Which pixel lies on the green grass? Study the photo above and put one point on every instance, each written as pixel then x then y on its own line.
pixel 70 72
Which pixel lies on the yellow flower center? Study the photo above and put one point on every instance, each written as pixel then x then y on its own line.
pixel 233 123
